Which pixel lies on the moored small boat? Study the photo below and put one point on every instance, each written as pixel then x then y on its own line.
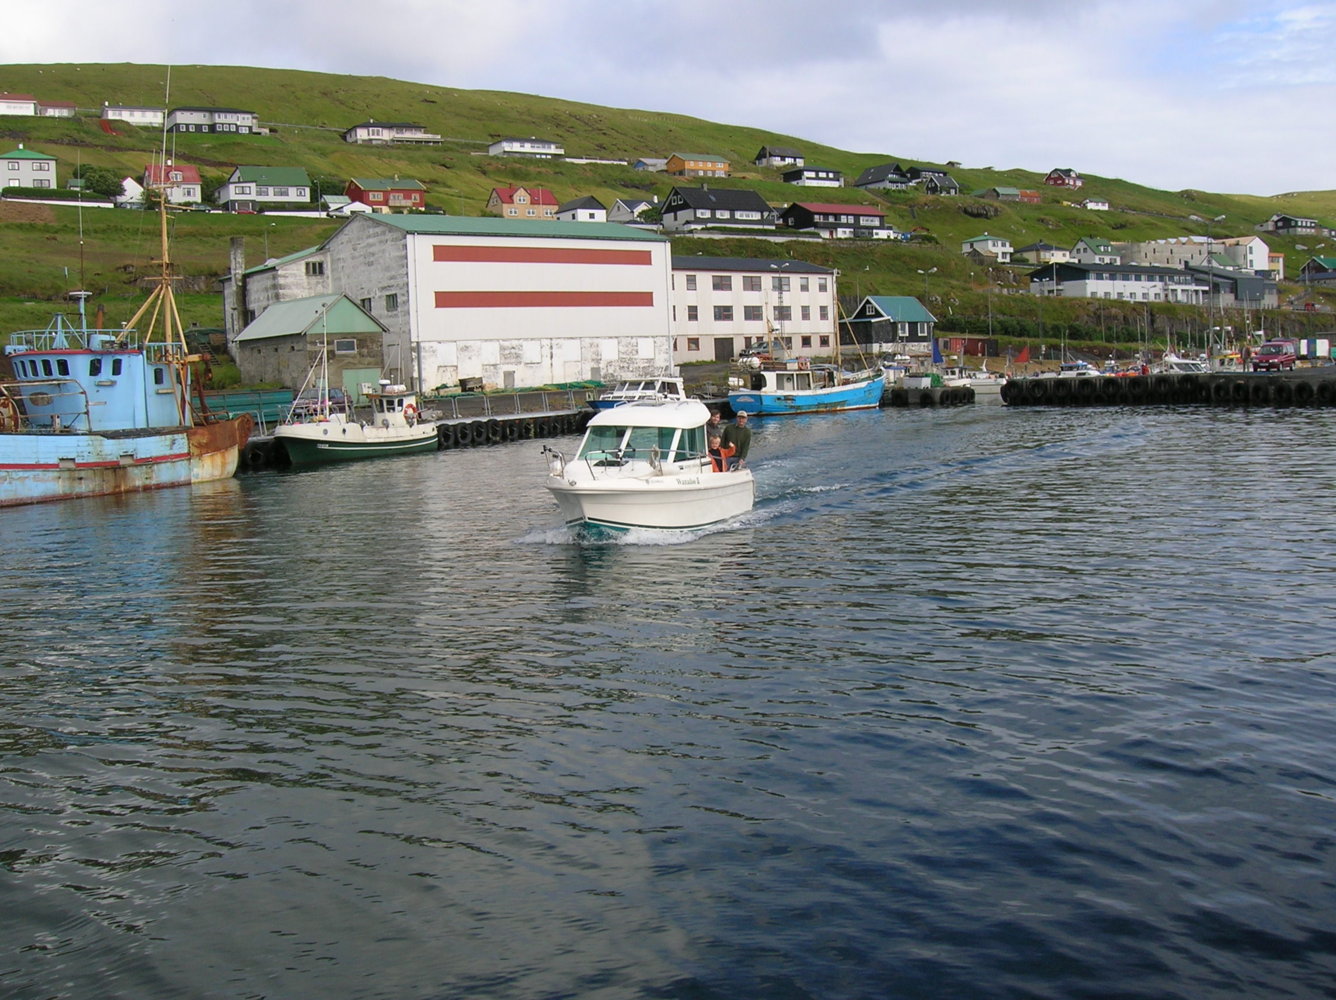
pixel 797 386
pixel 644 465
pixel 325 433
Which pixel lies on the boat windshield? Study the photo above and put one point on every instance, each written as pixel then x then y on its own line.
pixel 613 441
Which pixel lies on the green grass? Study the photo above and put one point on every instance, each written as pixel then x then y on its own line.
pixel 309 111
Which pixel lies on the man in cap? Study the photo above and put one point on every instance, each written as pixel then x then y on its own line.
pixel 738 435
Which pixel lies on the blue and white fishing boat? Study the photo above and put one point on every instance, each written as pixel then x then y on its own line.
pixel 90 412
pixel 773 388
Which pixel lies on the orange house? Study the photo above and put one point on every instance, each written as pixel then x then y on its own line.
pixel 696 165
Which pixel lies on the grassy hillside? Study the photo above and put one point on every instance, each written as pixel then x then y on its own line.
pixel 307 113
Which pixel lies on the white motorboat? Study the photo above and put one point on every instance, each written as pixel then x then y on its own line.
pixel 1176 364
pixel 983 382
pixel 644 465
pixel 663 387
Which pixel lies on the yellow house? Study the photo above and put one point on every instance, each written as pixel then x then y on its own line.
pixel 523 203
pixel 696 165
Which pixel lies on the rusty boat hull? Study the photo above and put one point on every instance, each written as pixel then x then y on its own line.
pixel 36 468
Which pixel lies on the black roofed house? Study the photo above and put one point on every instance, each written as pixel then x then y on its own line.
pixel 586 209
pixel 886 176
pixel 835 222
pixel 1064 177
pixel 778 156
pixel 933 181
pixel 212 120
pixel 813 177
pixel 696 208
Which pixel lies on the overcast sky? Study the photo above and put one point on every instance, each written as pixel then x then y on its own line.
pixel 1219 95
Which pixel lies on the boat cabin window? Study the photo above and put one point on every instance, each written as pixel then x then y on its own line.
pixel 116 365
pixel 94 367
pixel 46 367
pixel 690 445
pixel 62 366
pixel 159 375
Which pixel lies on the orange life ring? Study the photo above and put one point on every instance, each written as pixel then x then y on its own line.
pixel 410 411
pixel 804 364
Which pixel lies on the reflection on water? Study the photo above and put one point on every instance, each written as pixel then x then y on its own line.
pixel 975 703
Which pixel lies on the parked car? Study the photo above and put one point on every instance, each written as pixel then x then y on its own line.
pixel 1275 355
pixel 309 403
pixel 762 348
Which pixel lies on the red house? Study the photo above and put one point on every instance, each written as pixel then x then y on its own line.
pixel 387 195
pixel 1064 177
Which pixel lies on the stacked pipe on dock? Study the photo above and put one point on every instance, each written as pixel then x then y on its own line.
pixel 1207 388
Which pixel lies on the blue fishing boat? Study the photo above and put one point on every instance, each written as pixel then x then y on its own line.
pixel 774 388
pixel 90 412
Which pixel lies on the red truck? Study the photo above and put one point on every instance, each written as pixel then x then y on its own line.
pixel 1275 355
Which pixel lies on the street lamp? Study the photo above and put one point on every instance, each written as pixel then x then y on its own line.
pixel 931 270
pixel 1210 267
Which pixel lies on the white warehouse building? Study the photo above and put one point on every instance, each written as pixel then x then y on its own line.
pixel 512 303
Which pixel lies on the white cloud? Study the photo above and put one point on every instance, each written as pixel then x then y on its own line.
pixel 1216 94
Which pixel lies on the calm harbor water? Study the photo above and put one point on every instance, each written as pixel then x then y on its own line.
pixel 976 703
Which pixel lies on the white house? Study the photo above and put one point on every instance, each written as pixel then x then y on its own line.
pixel 996 247
pixel 513 302
pixel 1125 282
pixel 586 209
pixel 391 133
pixel 18 104
pixel 250 187
pixel 1094 250
pixel 133 115
pixel 132 194
pixel 56 109
pixel 541 148
pixel 778 156
pixel 212 120
pixel 805 176
pixel 29 168
pixel 625 210
pixel 178 181
pixel 1095 204
pixel 722 304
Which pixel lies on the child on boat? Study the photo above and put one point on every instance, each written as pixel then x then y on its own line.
pixel 719 453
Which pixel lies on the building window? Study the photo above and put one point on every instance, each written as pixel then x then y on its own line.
pixel 751 282
pixel 693 314
pixel 41 182
pixel 752 314
pixel 807 313
pixel 392 302
pixel 693 343
pixel 825 313
pixel 315 268
pixel 723 314
pixel 820 284
pixel 691 282
pixel 804 283
pixel 376 195
pixel 348 346
pixel 783 314
pixel 722 282
pixel 365 304
pixel 807 343
pixel 262 192
pixel 825 341
pixel 778 284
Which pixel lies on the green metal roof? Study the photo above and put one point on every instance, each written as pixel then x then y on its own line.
pixel 467 225
pixel 900 308
pixel 337 315
pixel 25 154
pixel 281 260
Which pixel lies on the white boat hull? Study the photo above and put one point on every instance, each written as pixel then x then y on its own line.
pixel 674 501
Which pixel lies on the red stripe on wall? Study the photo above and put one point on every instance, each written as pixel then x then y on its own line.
pixel 523 300
pixel 538 255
